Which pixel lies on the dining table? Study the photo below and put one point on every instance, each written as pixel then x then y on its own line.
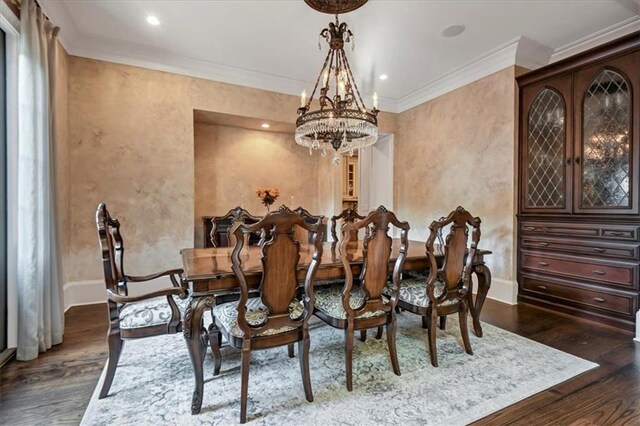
pixel 210 280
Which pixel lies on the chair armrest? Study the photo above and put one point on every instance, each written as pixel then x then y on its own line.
pixel 138 279
pixel 177 291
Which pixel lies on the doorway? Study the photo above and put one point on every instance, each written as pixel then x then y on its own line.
pixel 376 175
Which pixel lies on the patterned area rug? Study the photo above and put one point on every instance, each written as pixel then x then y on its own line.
pixel 154 380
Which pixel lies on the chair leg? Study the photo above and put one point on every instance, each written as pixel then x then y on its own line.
pixel 291 350
pixel 303 354
pixel 215 341
pixel 443 322
pixel 462 315
pixel 348 352
pixel 363 335
pixel 115 349
pixel 425 322
pixel 432 339
pixel 244 386
pixel 379 333
pixel 391 342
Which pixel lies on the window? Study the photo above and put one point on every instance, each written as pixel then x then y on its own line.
pixel 3 193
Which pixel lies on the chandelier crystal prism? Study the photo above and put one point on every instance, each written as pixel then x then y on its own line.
pixel 341 120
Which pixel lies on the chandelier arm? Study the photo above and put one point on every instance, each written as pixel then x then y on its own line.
pixel 354 84
pixel 325 89
pixel 330 53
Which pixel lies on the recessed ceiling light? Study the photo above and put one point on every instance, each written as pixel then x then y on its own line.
pixel 265 125
pixel 152 20
pixel 453 30
pixel 383 77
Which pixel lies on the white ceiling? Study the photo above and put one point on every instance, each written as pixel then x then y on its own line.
pixel 274 44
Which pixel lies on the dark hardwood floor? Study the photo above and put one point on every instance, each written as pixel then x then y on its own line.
pixel 55 389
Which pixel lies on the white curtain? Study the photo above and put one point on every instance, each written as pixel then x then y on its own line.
pixel 40 310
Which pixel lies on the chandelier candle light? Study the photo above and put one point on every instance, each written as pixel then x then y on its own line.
pixel 342 121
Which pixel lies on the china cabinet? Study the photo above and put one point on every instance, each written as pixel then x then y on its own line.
pixel 350 182
pixel 579 157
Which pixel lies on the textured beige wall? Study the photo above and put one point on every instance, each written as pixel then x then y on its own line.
pixel 132 147
pixel 459 149
pixel 231 163
pixel 61 147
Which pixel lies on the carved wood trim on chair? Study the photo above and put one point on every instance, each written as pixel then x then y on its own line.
pixel 236 213
pixel 348 216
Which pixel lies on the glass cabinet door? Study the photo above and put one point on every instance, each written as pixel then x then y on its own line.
pixel 546 179
pixel 606 146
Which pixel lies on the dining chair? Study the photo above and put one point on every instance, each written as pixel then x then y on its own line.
pixel 133 317
pixel 220 224
pixel 275 317
pixel 444 291
pixel 359 307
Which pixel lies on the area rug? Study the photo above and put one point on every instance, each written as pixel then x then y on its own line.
pixel 154 380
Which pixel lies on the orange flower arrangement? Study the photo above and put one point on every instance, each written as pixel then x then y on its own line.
pixel 268 195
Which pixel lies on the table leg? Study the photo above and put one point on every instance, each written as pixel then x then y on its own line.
pixel 484 283
pixel 196 338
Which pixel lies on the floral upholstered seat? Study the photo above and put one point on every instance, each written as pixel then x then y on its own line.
pixel 226 315
pixel 329 301
pixel 150 312
pixel 414 292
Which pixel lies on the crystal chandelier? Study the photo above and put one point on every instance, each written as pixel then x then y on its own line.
pixel 342 121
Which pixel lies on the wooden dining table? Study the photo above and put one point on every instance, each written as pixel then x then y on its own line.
pixel 209 279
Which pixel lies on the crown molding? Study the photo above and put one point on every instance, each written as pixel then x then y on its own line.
pixel 520 51
pixel 11 21
pixel 517 51
pixel 597 38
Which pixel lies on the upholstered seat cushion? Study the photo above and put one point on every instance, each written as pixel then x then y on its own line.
pixel 414 292
pixel 226 315
pixel 329 301
pixel 147 313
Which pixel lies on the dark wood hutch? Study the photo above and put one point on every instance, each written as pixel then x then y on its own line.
pixel 579 163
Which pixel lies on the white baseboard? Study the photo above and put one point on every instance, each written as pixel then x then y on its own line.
pixel 504 291
pixel 78 293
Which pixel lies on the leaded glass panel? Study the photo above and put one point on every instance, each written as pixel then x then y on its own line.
pixel 546 151
pixel 605 142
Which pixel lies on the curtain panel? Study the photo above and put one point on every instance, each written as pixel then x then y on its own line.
pixel 40 304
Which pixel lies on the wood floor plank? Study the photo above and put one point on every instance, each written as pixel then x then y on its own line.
pixel 56 388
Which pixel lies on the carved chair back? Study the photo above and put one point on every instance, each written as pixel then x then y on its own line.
pixel 280 258
pixel 348 216
pixel 459 252
pixel 233 215
pixel 112 250
pixel 376 253
pixel 310 219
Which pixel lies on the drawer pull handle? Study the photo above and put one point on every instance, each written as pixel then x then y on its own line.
pixel 543 244
pixel 543 263
pixel 599 250
pixel 530 228
pixel 598 299
pixel 616 233
pixel 596 271
pixel 542 287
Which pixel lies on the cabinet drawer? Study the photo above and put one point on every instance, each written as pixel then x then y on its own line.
pixel 613 273
pixel 594 299
pixel 586 247
pixel 588 230
pixel 626 233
